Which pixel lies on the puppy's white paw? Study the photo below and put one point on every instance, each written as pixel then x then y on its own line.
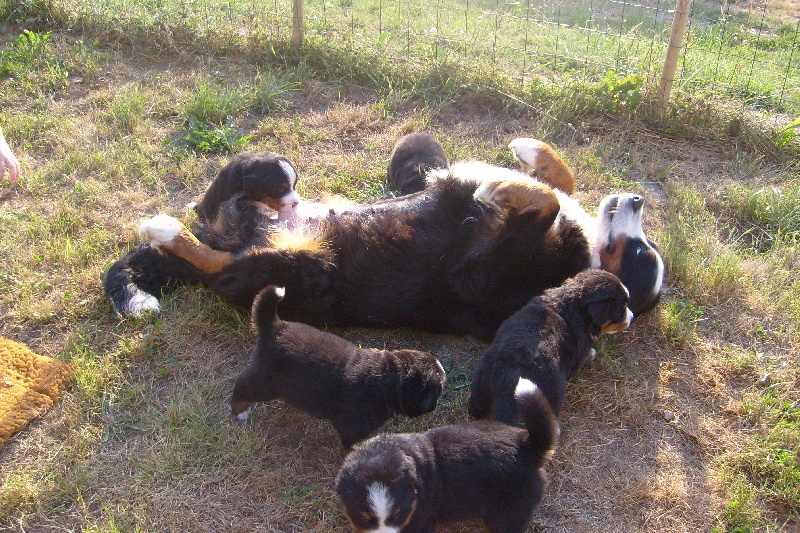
pixel 141 302
pixel 244 415
pixel 592 354
pixel 160 230
pixel 191 206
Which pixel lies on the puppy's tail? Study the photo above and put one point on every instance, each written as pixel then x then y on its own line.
pixel 265 308
pixel 539 419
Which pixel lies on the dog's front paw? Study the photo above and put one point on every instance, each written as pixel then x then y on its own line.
pixel 160 231
pixel 241 410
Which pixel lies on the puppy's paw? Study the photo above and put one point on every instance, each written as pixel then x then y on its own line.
pixel 592 354
pixel 241 410
pixel 519 197
pixel 141 303
pixel 160 231
pixel 539 160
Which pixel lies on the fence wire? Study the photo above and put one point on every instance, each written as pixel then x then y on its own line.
pixel 748 51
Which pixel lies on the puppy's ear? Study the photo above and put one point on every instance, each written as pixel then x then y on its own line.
pixel 599 311
pixel 419 393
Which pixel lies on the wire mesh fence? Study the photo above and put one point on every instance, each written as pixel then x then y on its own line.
pixel 749 51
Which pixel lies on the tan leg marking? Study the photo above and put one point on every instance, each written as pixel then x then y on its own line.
pixel 522 197
pixel 179 241
pixel 539 160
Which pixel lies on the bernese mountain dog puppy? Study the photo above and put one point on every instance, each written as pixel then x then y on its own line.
pixel 357 390
pixel 538 160
pixel 459 257
pixel 479 470
pixel 414 155
pixel 547 342
pixel 263 181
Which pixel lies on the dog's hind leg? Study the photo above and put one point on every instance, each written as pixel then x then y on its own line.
pixel 504 409
pixel 539 160
pixel 535 200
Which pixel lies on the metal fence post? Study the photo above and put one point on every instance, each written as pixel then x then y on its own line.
pixel 297 24
pixel 673 54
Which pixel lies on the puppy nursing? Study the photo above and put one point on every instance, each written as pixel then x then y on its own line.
pixel 547 342
pixel 263 178
pixel 414 155
pixel 356 390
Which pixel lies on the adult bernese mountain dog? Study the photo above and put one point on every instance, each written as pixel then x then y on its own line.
pixel 460 256
pixel 480 470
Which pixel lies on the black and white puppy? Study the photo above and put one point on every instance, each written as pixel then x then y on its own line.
pixel 479 470
pixel 413 156
pixel 357 390
pixel 547 342
pixel 266 180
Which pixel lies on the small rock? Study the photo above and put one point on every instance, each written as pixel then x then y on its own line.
pixel 764 380
pixel 669 416
pixel 22 336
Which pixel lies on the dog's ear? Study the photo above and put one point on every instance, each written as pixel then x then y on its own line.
pixel 599 311
pixel 607 311
pixel 420 385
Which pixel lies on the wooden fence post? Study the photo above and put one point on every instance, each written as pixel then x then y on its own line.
pixel 297 24
pixel 673 54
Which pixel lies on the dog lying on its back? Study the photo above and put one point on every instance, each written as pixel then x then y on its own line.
pixel 413 156
pixel 479 470
pixel 328 377
pixel 547 342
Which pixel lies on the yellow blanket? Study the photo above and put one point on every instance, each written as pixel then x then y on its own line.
pixel 29 384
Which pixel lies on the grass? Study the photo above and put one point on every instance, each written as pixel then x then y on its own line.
pixel 123 109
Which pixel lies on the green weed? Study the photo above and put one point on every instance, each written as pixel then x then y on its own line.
pixel 202 138
pixel 681 321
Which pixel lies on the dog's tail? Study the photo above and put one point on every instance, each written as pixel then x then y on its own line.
pixel 265 308
pixel 539 419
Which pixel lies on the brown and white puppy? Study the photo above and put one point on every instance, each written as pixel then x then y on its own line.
pixel 547 342
pixel 413 156
pixel 480 470
pixel 356 390
pixel 267 180
pixel 538 160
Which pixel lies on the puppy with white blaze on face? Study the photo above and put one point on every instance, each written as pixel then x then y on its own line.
pixel 480 470
pixel 625 250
